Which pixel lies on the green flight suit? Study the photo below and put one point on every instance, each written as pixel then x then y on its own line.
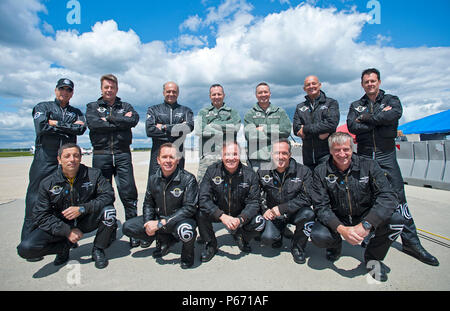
pixel 276 125
pixel 214 126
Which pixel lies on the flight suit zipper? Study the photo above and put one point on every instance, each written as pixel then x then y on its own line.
pixel 72 203
pixel 229 195
pixel 112 136
pixel 373 135
pixel 349 198
pixel 312 140
pixel 164 198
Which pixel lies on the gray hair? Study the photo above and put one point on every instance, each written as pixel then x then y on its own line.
pixel 340 138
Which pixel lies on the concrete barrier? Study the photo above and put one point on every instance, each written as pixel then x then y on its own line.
pixel 425 163
pixel 436 164
pixel 405 158
pixel 446 175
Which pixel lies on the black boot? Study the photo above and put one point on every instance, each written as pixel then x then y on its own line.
pixel 163 247
pixel 298 255
pixel 208 253
pixel 298 245
pixel 145 244
pixel 134 242
pixel 63 256
pixel 98 255
pixel 418 252
pixel 243 245
pixel 334 254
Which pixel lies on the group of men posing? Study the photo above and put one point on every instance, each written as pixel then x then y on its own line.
pixel 335 194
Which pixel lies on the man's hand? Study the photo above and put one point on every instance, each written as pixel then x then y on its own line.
pixel 361 231
pixel 151 227
pixel 300 132
pixel 71 212
pixel 364 118
pixel 387 108
pixel 324 136
pixel 129 114
pixel 79 122
pixel 159 126
pixel 268 215
pixel 75 235
pixel 232 223
pixel 52 122
pixel 272 213
pixel 260 128
pixel 351 234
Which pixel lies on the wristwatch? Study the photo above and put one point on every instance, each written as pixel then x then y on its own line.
pixel 81 210
pixel 366 225
pixel 160 225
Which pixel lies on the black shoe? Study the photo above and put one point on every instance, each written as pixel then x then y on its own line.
pixel 418 252
pixel 35 259
pixel 298 255
pixel 208 253
pixel 134 242
pixel 243 245
pixel 377 270
pixel 63 256
pixel 98 255
pixel 145 244
pixel 186 265
pixel 162 249
pixel 333 254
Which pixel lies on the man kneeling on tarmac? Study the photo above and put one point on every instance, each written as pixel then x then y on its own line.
pixel 352 198
pixel 229 193
pixel 74 200
pixel 285 199
pixel 169 208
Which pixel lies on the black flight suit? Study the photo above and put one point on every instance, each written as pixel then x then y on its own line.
pixel 290 193
pixel 178 121
pixel 90 190
pixel 348 198
pixel 175 199
pixel 48 140
pixel 376 140
pixel 317 117
pixel 111 140
pixel 236 195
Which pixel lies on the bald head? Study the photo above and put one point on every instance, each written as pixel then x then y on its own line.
pixel 170 92
pixel 312 86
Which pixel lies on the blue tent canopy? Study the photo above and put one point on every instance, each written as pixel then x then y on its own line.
pixel 436 123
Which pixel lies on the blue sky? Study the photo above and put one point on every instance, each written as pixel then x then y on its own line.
pixel 407 23
pixel 234 42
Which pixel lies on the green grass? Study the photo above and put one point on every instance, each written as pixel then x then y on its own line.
pixel 8 154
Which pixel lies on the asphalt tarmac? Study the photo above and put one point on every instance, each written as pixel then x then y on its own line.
pixel 264 269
